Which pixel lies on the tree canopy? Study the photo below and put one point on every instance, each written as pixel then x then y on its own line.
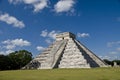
pixel 15 60
pixel 112 62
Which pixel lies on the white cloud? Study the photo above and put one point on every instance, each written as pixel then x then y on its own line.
pixel 20 42
pixel 38 5
pixel 44 33
pixel 1 52
pixel 8 46
pixel 49 41
pixel 14 1
pixel 113 52
pixel 40 48
pixel 64 6
pixel 6 42
pixel 30 1
pixel 112 55
pixel 83 35
pixel 11 44
pixel 6 52
pixel 110 44
pixel 50 35
pixel 100 57
pixel 53 34
pixel 107 57
pixel 11 20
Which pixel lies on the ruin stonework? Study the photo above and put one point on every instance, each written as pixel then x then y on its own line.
pixel 65 52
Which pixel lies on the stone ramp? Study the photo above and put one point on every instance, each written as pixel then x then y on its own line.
pixel 57 56
pixel 54 54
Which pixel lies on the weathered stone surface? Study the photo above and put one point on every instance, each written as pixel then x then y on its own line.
pixel 66 52
pixel 72 57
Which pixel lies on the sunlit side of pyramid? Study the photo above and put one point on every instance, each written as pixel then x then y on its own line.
pixel 66 52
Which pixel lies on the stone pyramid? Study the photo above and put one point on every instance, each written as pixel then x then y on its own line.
pixel 66 52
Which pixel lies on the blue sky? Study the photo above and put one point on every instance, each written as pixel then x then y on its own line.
pixel 33 24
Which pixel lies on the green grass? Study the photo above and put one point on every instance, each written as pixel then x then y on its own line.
pixel 62 74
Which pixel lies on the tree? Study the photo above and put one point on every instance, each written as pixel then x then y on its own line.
pixel 4 62
pixel 15 60
pixel 107 62
pixel 20 58
pixel 112 62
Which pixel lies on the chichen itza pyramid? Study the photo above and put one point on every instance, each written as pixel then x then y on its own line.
pixel 66 52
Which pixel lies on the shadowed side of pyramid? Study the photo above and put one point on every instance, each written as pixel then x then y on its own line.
pixel 91 58
pixel 65 52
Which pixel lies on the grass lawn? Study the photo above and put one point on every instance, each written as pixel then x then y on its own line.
pixel 62 74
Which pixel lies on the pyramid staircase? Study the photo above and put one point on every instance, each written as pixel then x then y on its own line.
pixel 72 57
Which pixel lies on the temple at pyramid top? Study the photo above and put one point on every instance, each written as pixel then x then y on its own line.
pixel 65 35
pixel 66 52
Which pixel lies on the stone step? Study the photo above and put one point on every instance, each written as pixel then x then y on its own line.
pixel 67 49
pixel 75 66
pixel 50 46
pixel 40 59
pixel 76 55
pixel 72 64
pixel 73 54
pixel 45 52
pixel 42 55
pixel 47 49
pixel 73 60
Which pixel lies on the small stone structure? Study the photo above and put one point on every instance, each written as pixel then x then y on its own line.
pixel 66 52
pixel 115 64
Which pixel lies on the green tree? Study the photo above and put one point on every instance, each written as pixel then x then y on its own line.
pixel 20 58
pixel 108 62
pixel 4 62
